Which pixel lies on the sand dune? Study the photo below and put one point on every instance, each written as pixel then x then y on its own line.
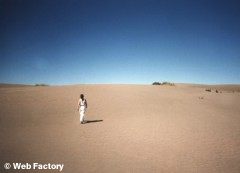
pixel 145 128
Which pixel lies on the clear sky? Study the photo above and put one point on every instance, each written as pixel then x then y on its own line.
pixel 132 41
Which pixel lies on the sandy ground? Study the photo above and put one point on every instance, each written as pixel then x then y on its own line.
pixel 181 128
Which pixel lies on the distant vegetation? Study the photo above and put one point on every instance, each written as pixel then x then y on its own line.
pixel 208 90
pixel 41 84
pixel 163 83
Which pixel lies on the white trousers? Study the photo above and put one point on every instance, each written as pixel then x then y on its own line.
pixel 82 114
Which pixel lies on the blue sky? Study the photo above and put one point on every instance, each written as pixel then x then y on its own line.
pixel 134 41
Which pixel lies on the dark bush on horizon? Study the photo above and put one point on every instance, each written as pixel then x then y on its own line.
pixel 41 84
pixel 156 83
pixel 163 83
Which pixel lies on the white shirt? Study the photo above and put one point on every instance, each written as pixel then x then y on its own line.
pixel 82 104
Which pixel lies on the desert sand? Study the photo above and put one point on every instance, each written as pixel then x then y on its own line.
pixel 145 128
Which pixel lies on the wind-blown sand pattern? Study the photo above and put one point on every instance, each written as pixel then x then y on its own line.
pixel 180 128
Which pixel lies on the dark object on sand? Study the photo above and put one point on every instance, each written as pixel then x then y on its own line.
pixel 209 90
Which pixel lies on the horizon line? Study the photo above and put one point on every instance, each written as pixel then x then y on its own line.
pixel 68 84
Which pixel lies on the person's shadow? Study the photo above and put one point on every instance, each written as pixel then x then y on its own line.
pixel 92 121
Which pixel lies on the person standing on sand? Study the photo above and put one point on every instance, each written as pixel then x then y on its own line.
pixel 82 106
